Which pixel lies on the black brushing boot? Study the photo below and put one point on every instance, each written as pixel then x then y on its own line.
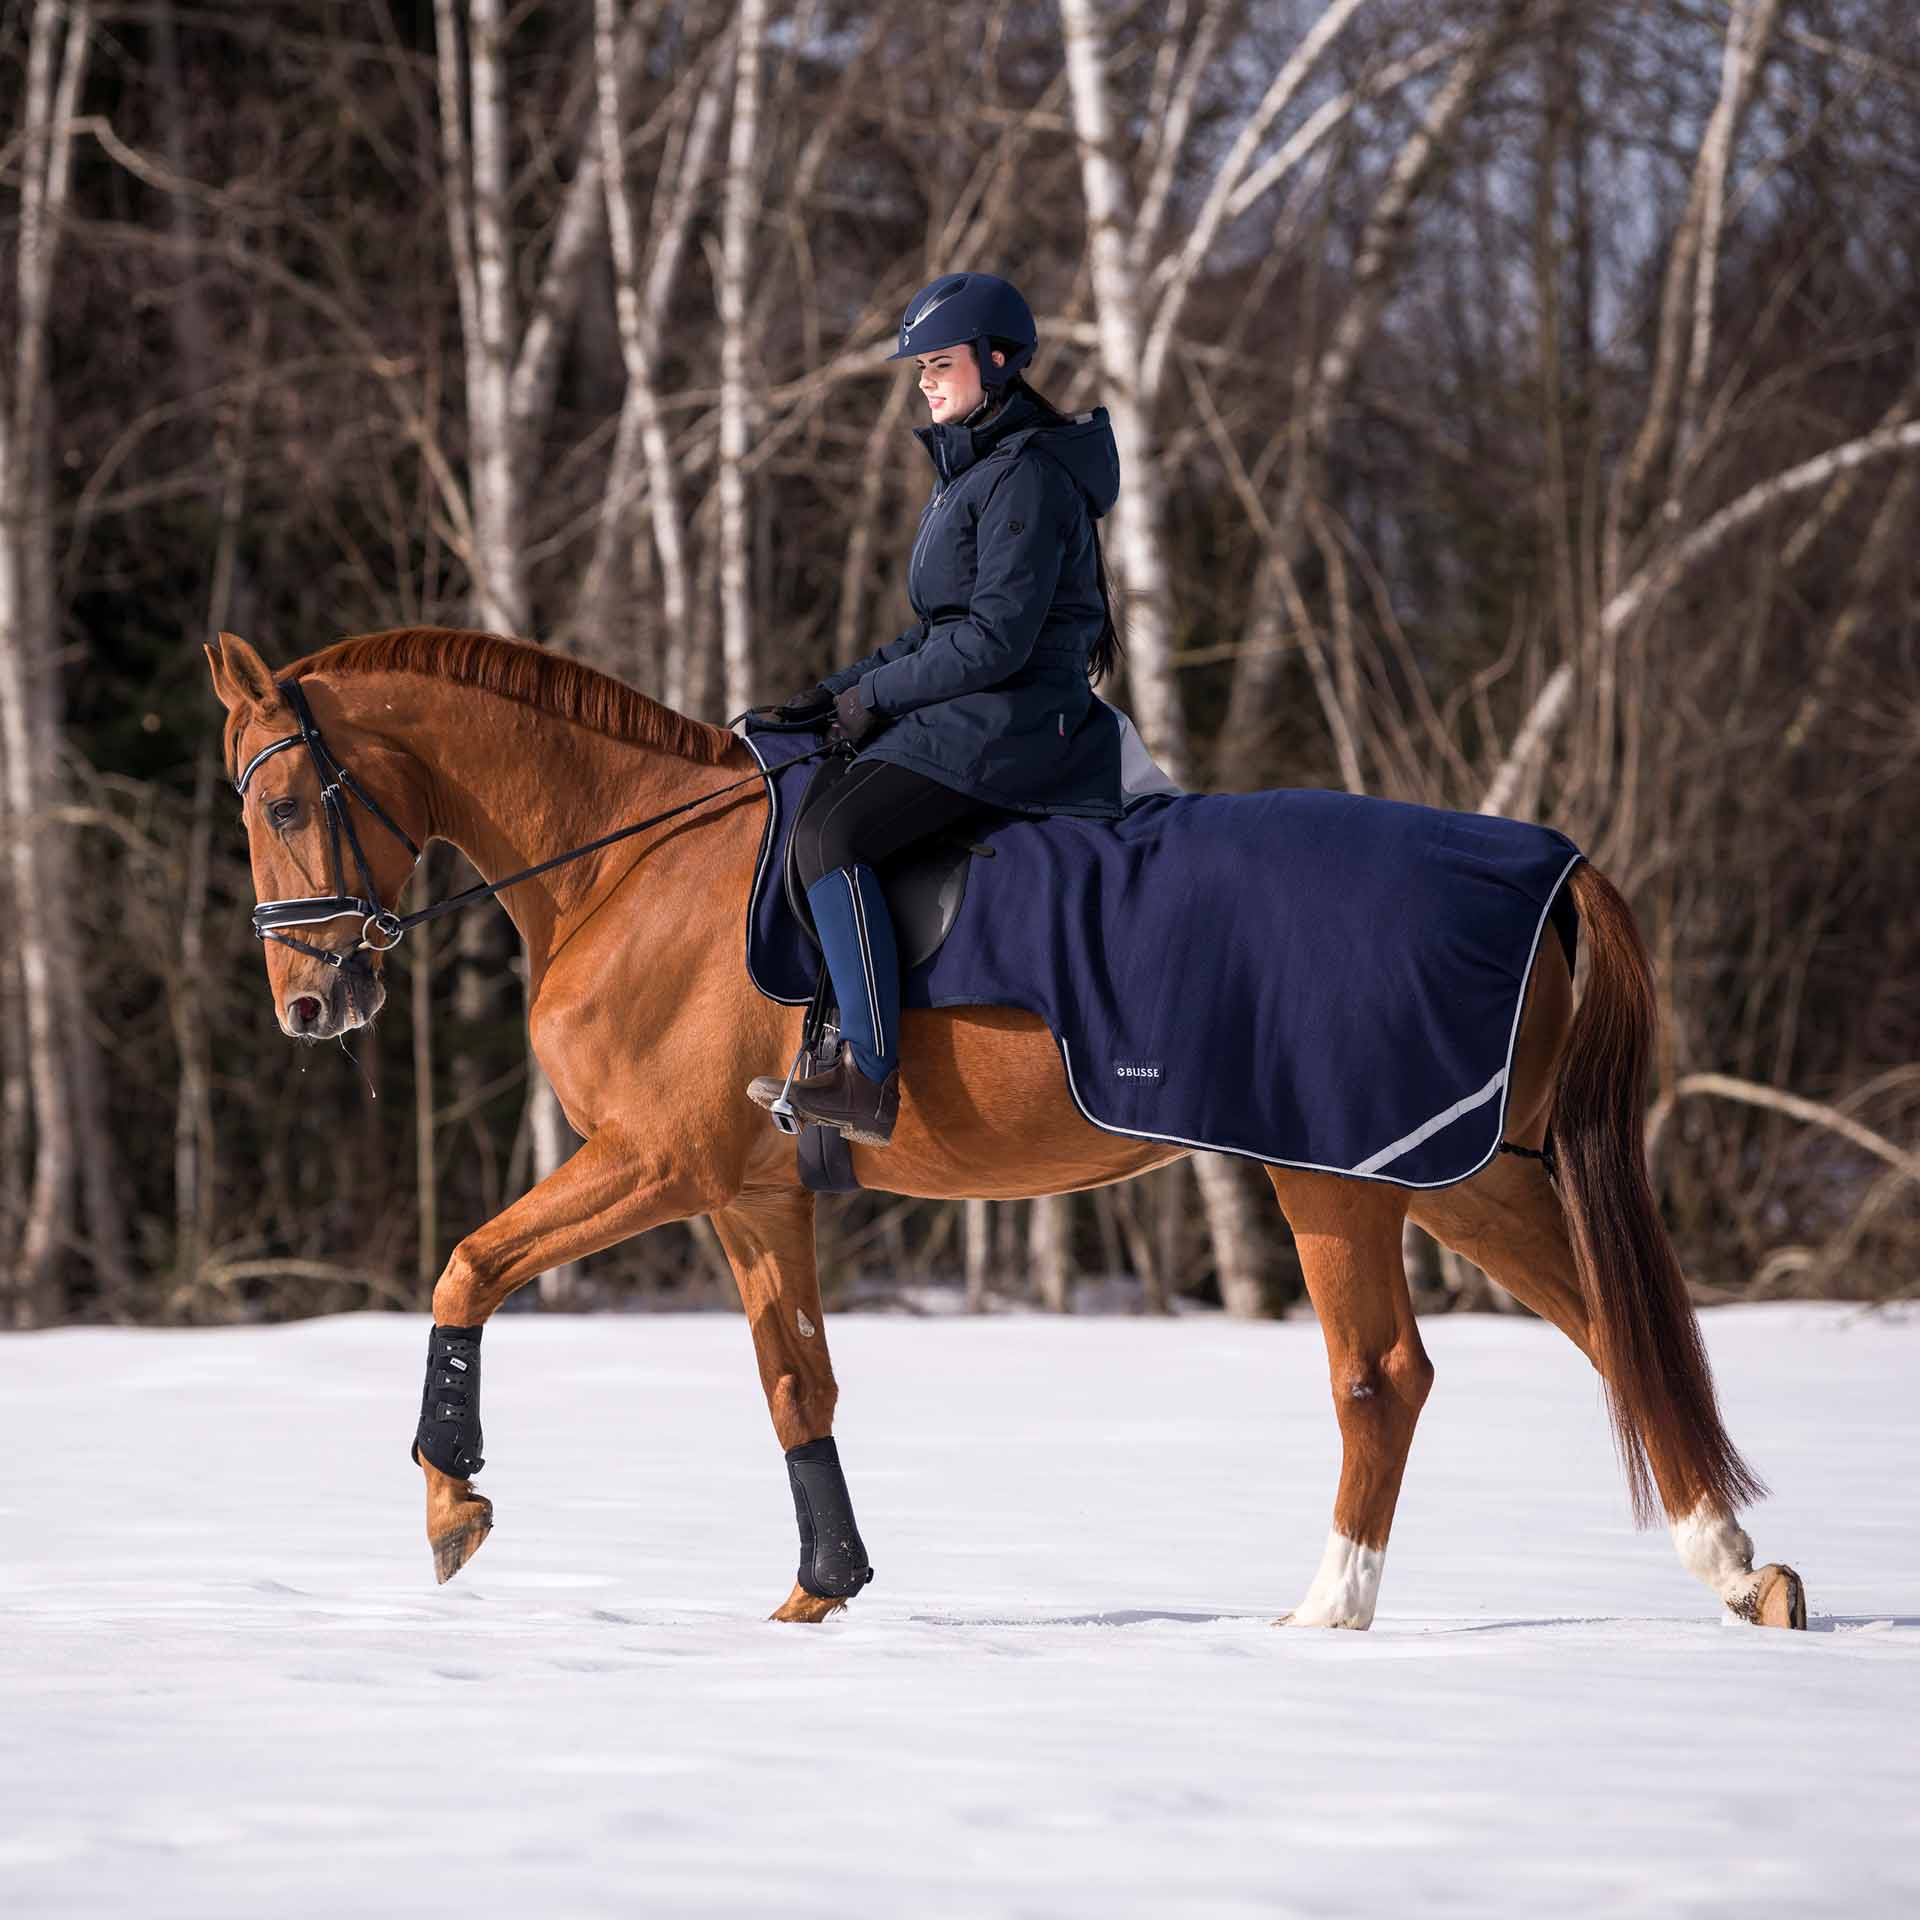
pixel 449 1432
pixel 833 1562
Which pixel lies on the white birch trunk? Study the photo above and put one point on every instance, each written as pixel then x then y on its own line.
pixel 977 1235
pixel 502 587
pixel 641 308
pixel 58 47
pixel 1047 1252
pixel 736 636
pixel 1139 518
pixel 476 168
pixel 49 1195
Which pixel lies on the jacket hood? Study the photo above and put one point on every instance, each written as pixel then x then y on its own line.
pixel 1083 443
pixel 1085 446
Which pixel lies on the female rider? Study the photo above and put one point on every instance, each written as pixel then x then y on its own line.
pixel 986 704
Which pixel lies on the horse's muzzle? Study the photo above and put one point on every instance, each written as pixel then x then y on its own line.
pixel 336 1004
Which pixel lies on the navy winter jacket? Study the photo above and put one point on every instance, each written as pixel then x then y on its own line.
pixel 989 693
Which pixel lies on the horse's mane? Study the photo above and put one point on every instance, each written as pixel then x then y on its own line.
pixel 516 670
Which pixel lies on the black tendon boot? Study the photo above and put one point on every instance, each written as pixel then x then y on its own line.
pixel 833 1563
pixel 449 1432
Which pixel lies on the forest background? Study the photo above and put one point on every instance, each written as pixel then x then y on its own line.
pixel 1519 409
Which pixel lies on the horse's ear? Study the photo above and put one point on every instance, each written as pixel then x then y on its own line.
pixel 240 677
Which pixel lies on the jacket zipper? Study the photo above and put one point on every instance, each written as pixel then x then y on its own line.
pixel 940 501
pixel 934 509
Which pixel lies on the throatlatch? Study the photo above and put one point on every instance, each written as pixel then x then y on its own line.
pixel 833 1562
pixel 449 1432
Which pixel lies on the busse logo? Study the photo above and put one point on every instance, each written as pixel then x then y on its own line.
pixel 1128 1072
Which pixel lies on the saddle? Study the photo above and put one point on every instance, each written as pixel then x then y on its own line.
pixel 924 883
pixel 924 886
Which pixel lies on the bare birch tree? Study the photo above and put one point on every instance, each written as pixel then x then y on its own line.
pixel 736 427
pixel 59 44
pixel 643 457
pixel 1140 547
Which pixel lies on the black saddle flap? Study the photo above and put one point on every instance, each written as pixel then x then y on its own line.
pixel 924 883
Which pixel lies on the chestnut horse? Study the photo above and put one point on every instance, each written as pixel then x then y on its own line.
pixel 644 1019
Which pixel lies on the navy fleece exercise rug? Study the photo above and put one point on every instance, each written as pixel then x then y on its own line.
pixel 1313 979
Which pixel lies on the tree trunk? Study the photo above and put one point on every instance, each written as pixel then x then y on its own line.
pixel 1048 1255
pixel 58 47
pixel 1240 1252
pixel 641 306
pixel 1140 547
pixel 30 1275
pixel 501 438
pixel 735 424
pixel 977 1228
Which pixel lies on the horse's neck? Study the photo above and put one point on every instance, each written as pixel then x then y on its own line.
pixel 514 786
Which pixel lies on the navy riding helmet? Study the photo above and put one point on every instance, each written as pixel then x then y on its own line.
pixel 970 310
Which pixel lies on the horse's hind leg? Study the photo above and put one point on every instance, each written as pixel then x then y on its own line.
pixel 1348 1235
pixel 768 1237
pixel 1507 1220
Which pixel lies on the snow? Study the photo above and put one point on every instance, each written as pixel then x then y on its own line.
pixel 229 1686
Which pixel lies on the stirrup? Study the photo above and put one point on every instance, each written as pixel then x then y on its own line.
pixel 819 1044
pixel 782 1110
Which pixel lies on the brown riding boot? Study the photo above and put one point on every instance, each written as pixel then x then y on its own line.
pixel 839 1096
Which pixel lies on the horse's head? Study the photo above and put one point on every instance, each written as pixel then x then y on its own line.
pixel 314 789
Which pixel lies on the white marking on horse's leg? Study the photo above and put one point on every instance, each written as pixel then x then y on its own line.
pixel 1345 1589
pixel 1716 1551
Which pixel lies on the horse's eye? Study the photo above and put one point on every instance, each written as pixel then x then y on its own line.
pixel 281 812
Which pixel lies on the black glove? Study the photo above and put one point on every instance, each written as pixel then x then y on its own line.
pixel 811 705
pixel 802 710
pixel 853 719
pixel 814 704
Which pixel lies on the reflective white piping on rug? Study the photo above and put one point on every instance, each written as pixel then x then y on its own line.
pixel 1428 1128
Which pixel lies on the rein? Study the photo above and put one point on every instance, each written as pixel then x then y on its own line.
pixel 337 785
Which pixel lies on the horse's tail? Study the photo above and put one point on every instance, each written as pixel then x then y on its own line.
pixel 1646 1340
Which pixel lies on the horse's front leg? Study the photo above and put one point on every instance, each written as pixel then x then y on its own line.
pixel 768 1235
pixel 610 1190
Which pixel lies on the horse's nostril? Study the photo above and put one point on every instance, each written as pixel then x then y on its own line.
pixel 305 1010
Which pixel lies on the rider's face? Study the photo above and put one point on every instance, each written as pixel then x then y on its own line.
pixel 950 381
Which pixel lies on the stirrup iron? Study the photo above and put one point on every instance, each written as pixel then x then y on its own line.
pixel 819 1042
pixel 782 1110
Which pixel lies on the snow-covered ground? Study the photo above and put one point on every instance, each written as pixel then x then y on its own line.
pixel 229 1686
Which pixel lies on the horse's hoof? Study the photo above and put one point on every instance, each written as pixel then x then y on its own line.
pixel 458 1520
pixel 1779 1600
pixel 1293 1620
pixel 454 1548
pixel 807 1607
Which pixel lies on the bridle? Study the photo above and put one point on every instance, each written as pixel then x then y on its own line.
pixel 381 929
